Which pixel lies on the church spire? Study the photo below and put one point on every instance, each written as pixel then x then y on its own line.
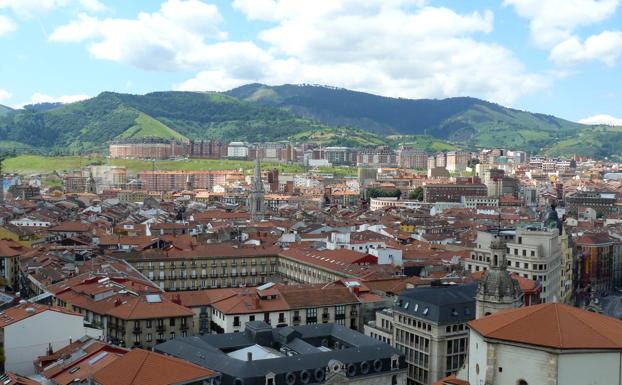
pixel 256 196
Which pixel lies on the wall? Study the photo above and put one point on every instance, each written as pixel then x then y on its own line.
pixel 27 339
pixel 604 369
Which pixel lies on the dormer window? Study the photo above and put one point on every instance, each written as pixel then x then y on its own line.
pixel 426 311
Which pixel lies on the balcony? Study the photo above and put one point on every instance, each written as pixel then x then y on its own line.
pixel 161 329
pixel 137 330
pixel 354 313
pixel 325 317
pixel 183 327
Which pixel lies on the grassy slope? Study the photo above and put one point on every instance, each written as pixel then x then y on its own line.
pixel 146 126
pixel 30 164
pixel 423 142
pixel 339 137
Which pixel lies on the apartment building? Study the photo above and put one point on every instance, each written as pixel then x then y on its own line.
pixel 428 325
pixel 452 192
pixel 129 311
pixel 148 148
pixel 206 266
pixel 533 251
pixel 9 263
pixel 282 306
pixel 181 180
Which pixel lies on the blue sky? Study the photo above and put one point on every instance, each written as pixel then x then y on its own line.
pixel 562 57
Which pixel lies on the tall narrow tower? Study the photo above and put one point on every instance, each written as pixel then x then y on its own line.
pixel 90 185
pixel 256 196
pixel 497 289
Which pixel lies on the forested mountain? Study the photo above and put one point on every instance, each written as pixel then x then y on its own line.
pixel 325 115
pixel 465 120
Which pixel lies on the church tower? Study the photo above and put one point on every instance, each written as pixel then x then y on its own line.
pixel 256 196
pixel 497 289
pixel 91 185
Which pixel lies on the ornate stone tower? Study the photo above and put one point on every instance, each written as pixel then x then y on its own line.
pixel 91 184
pixel 497 290
pixel 256 196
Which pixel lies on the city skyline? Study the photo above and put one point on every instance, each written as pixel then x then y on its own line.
pixel 537 56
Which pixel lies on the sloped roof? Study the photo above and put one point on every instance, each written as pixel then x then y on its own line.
pixel 141 367
pixel 552 325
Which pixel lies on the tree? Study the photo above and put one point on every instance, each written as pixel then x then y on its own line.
pixel 416 194
pixel 380 193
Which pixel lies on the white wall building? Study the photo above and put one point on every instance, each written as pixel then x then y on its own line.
pixel 567 346
pixel 533 253
pixel 28 330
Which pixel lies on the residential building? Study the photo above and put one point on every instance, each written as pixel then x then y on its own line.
pixel 181 180
pixel 291 305
pixel 207 266
pixel 320 354
pixel 453 192
pixel 29 330
pixel 148 148
pixel 533 251
pixel 429 325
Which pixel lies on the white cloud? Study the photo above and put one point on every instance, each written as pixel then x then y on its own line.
pixel 553 21
pixel 43 98
pixel 602 119
pixel 6 25
pixel 5 95
pixel 383 47
pixel 553 25
pixel 168 39
pixel 606 47
pixel 32 8
pixel 391 47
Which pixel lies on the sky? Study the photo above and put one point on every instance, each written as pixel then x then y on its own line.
pixel 560 57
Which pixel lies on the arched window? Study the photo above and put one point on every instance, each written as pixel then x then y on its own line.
pixel 522 382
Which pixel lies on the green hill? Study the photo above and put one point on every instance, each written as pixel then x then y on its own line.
pixel 471 121
pixel 4 109
pixel 146 126
pixel 329 116
pixel 91 124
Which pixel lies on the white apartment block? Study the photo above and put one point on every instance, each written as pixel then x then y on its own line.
pixel 533 252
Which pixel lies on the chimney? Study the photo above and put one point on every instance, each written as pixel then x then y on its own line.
pixel 117 302
pixel 257 302
pixel 249 356
pixel 177 299
pixel 50 350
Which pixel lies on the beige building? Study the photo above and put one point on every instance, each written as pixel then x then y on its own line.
pixel 429 325
pixel 207 266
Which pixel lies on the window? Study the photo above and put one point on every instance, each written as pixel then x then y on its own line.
pixel 172 322
pixel 236 321
pixel 251 318
pixel 522 382
pixel 312 315
pixel 149 337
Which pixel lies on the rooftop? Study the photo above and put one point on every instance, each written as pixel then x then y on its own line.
pixel 559 326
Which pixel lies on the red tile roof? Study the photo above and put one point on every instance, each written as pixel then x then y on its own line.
pixel 557 326
pixel 25 310
pixel 141 367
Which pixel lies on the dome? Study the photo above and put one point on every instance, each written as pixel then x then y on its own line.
pixel 498 284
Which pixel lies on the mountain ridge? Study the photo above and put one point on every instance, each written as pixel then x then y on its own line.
pixel 324 115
